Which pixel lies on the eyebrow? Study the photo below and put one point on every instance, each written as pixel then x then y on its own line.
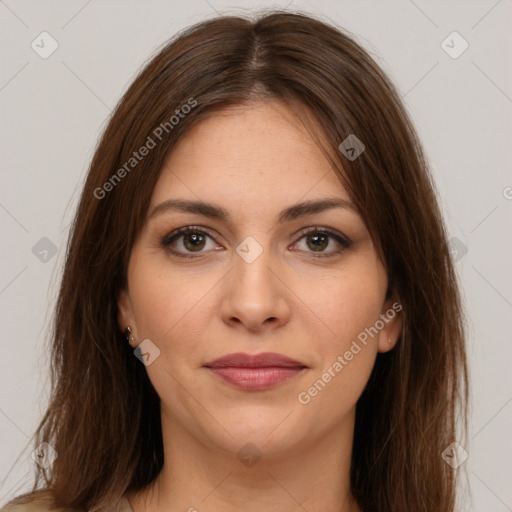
pixel 213 211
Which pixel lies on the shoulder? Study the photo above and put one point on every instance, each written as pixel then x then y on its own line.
pixel 42 502
pixel 37 504
pixel 36 501
pixel 26 507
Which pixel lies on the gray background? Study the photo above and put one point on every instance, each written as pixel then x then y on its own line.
pixel 53 110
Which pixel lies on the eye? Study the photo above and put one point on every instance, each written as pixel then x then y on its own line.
pixel 317 240
pixel 188 240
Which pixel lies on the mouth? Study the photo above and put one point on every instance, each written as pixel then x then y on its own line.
pixel 255 372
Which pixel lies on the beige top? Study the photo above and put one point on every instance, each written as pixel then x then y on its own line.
pixel 124 506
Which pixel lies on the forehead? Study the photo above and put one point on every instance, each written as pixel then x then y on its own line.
pixel 260 153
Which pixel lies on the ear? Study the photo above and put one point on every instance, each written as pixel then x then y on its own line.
pixel 125 316
pixel 392 318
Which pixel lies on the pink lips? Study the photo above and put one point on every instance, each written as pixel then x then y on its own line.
pixel 255 372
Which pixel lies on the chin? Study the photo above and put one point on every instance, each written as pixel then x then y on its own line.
pixel 269 431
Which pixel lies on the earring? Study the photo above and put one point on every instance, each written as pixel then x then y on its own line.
pixel 128 335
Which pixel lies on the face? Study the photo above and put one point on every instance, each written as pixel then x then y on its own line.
pixel 252 246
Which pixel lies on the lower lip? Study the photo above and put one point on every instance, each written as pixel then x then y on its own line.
pixel 256 378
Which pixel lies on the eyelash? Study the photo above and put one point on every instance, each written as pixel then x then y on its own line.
pixel 343 241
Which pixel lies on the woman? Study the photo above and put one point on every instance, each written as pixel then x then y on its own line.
pixel 258 309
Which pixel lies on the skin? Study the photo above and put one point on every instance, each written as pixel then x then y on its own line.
pixel 254 161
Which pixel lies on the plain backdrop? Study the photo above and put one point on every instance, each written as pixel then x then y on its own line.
pixel 53 110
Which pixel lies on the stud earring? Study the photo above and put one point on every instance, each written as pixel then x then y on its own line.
pixel 128 335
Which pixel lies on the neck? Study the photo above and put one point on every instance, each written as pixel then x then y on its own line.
pixel 314 476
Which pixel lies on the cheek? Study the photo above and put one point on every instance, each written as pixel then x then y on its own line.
pixel 170 305
pixel 344 302
pixel 348 303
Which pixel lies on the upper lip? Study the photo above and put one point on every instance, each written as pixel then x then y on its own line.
pixel 265 359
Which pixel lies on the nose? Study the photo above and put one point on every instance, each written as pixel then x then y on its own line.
pixel 254 298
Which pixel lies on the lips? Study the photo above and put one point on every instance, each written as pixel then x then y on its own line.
pixel 263 360
pixel 255 371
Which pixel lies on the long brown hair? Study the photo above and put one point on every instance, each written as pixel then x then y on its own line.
pixel 103 417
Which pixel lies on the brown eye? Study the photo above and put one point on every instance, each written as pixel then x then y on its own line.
pixel 317 242
pixel 189 242
pixel 321 242
pixel 194 241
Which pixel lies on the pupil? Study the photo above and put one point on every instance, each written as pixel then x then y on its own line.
pixel 194 241
pixel 319 241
